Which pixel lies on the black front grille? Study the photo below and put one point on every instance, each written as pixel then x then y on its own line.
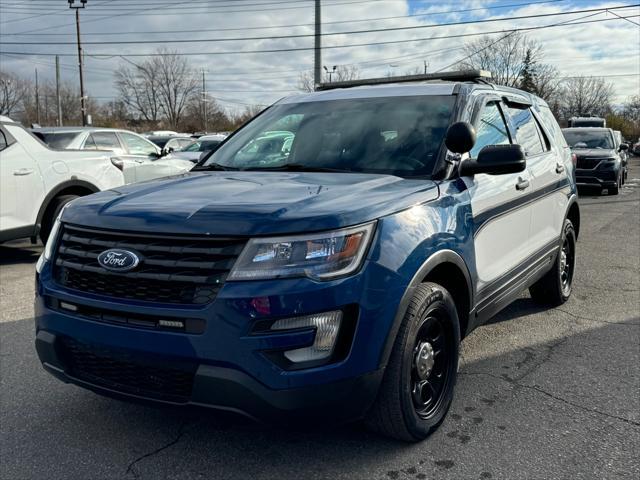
pixel 120 371
pixel 182 270
pixel 589 162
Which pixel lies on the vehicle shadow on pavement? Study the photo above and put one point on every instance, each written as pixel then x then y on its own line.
pixel 13 255
pixel 497 397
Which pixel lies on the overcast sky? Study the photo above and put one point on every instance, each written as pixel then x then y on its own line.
pixel 610 48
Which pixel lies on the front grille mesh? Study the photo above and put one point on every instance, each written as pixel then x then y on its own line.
pixel 589 162
pixel 180 270
pixel 120 371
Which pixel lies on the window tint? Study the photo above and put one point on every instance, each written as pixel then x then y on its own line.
pixel 105 140
pixel 552 126
pixel 137 145
pixel 3 141
pixel 490 130
pixel 58 141
pixel 526 130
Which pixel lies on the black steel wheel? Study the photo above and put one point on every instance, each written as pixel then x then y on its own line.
pixel 554 288
pixel 420 376
pixel 430 366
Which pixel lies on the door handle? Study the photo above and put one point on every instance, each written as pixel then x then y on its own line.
pixel 23 171
pixel 559 168
pixel 522 184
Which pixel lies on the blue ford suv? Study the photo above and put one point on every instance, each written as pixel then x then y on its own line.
pixel 331 277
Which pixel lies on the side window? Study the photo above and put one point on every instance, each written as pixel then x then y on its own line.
pixel 3 141
pixel 526 130
pixel 90 144
pixel 105 140
pixel 137 145
pixel 491 129
pixel 552 126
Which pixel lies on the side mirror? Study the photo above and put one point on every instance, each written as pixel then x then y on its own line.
pixel 623 146
pixel 496 160
pixel 460 137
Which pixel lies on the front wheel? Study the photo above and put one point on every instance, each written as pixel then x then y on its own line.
pixel 417 388
pixel 555 287
pixel 52 213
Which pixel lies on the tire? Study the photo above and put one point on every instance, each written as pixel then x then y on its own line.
pixel 555 287
pixel 614 190
pixel 52 213
pixel 414 399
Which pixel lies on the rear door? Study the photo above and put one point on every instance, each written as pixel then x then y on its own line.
pixel 547 163
pixel 502 219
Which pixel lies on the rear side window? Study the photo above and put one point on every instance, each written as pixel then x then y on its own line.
pixel 105 140
pixel 3 141
pixel 552 126
pixel 526 130
pixel 491 129
pixel 89 144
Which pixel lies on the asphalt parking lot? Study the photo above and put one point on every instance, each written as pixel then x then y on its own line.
pixel 541 394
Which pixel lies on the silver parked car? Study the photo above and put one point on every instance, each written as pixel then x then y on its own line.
pixel 138 158
pixel 198 147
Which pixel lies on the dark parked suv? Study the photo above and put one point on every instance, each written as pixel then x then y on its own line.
pixel 599 161
pixel 333 280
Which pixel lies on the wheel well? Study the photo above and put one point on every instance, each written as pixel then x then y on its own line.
pixel 574 216
pixel 451 277
pixel 78 190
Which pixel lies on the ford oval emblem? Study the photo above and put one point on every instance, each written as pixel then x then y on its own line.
pixel 118 260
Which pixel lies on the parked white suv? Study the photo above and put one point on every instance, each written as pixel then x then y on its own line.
pixel 36 181
pixel 138 158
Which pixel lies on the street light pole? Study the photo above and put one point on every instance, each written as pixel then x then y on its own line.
pixel 330 72
pixel 83 106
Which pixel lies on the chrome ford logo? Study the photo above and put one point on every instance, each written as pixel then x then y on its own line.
pixel 118 260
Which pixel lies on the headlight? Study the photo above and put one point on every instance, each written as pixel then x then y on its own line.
pixel 319 256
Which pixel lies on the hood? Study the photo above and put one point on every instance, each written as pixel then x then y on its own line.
pixel 193 156
pixel 249 203
pixel 594 152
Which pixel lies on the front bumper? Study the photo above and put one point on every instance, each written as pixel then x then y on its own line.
pixel 231 390
pixel 228 365
pixel 596 178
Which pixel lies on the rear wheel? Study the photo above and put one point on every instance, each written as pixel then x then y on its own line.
pixel 555 287
pixel 417 389
pixel 52 213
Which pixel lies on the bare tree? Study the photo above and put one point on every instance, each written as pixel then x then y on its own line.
pixel 138 87
pixel 585 96
pixel 12 92
pixel 342 73
pixel 504 58
pixel 177 83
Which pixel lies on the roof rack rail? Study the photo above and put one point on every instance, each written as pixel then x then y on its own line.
pixel 457 76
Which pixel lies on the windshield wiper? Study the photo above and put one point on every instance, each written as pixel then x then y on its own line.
pixel 212 166
pixel 297 167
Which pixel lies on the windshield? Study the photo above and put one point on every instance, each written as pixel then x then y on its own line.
pixel 588 139
pixel 397 135
pixel 59 140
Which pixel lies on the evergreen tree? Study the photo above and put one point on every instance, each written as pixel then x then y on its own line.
pixel 527 75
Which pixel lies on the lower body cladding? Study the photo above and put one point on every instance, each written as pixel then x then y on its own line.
pixel 597 178
pixel 273 351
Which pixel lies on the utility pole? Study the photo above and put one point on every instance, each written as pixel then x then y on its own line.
pixel 204 101
pixel 37 100
pixel 83 107
pixel 317 47
pixel 425 67
pixel 58 101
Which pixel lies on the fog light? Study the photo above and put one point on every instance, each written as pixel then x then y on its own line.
pixel 327 326
pixel 69 306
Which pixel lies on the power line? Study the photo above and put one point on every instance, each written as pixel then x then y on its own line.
pixel 301 49
pixel 432 13
pixel 328 34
